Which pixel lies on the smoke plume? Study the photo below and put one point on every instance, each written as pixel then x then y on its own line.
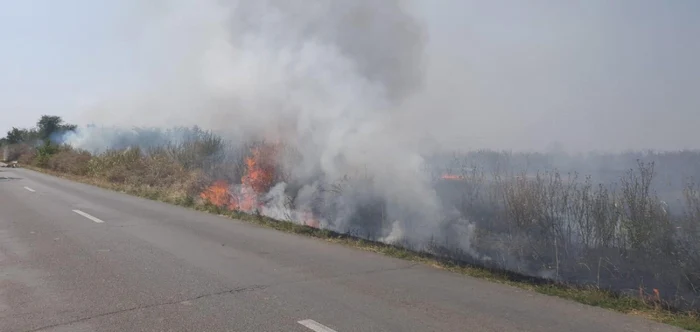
pixel 324 77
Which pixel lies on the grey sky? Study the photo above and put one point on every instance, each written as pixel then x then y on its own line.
pixel 501 74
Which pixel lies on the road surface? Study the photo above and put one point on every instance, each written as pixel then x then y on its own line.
pixel 78 258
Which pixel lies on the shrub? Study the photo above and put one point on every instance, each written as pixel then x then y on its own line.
pixel 44 153
pixel 620 236
pixel 68 160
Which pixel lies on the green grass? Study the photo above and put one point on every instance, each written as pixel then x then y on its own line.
pixel 586 295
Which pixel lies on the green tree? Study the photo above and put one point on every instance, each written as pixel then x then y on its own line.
pixel 48 125
pixel 16 135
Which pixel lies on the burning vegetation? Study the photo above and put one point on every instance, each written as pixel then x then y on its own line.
pixel 218 194
pixel 261 172
pixel 257 180
pixel 452 177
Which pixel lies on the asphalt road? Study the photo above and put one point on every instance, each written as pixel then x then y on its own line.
pixel 78 258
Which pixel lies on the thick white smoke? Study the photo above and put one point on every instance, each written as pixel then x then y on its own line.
pixel 323 76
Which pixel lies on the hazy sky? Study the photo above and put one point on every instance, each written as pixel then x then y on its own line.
pixel 592 74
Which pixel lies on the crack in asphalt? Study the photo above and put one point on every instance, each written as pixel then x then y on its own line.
pixel 347 275
pixel 8 178
pixel 155 305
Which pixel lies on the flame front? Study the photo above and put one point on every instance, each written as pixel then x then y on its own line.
pixel 218 194
pixel 310 220
pixel 452 177
pixel 257 180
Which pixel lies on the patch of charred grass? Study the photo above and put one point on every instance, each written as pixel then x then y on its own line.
pixel 589 295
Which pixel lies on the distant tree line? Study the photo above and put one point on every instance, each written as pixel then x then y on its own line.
pixel 47 129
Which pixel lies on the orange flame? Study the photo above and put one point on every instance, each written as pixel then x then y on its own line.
pixel 217 194
pixel 452 177
pixel 258 178
pixel 310 220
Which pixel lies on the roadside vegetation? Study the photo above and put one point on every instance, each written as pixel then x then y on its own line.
pixel 625 237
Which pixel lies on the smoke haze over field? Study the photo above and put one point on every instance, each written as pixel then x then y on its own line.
pixel 507 74
pixel 324 77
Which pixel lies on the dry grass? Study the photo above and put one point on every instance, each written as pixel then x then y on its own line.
pixel 70 162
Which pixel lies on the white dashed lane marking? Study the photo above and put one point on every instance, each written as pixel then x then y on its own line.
pixel 88 216
pixel 315 326
pixel 30 189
